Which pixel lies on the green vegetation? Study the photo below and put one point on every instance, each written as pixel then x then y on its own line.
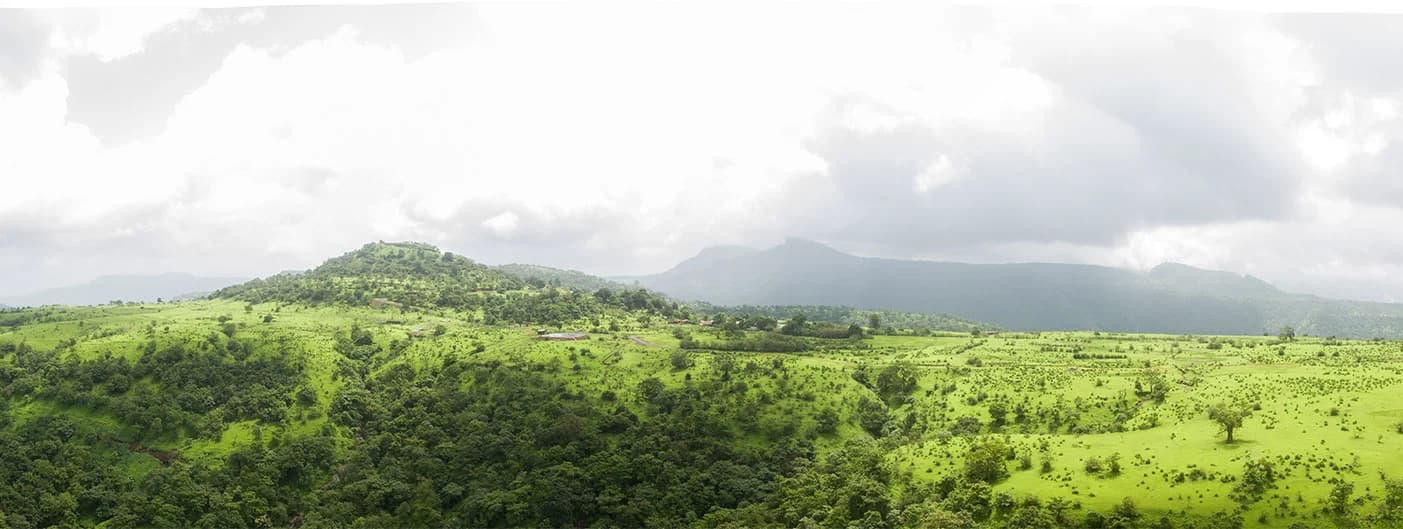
pixel 877 321
pixel 302 401
pixel 1171 298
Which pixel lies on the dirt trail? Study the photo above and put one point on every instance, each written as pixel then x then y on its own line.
pixel 166 458
pixel 640 341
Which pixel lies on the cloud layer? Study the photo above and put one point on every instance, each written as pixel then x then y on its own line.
pixel 620 140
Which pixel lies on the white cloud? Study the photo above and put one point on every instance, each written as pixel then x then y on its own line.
pixel 622 138
pixel 111 33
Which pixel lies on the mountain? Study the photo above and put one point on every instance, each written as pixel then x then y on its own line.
pixel 413 276
pixel 407 273
pixel 563 278
pixel 1171 298
pixel 105 289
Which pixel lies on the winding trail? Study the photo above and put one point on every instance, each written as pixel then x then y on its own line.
pixel 640 341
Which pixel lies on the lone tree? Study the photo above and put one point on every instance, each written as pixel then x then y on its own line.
pixel 1287 333
pixel 1228 417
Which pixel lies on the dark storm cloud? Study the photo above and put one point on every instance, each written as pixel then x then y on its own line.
pixel 23 40
pixel 131 97
pixel 1163 128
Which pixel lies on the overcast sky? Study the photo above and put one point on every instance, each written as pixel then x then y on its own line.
pixel 622 138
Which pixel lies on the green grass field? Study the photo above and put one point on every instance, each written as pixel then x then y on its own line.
pixel 1322 411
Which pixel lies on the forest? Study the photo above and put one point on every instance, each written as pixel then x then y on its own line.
pixel 399 386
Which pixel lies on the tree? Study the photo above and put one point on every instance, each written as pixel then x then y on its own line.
pixel 604 295
pixel 1339 497
pixel 998 412
pixel 827 421
pixel 795 326
pixel 1392 506
pixel 1229 417
pixel 681 360
pixel 872 415
pixel 874 322
pixel 1152 386
pixel 896 380
pixel 985 461
pixel 1287 333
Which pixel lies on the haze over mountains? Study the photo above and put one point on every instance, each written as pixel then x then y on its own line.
pixel 105 289
pixel 1171 298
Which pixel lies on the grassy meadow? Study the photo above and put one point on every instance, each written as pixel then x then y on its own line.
pixel 1083 419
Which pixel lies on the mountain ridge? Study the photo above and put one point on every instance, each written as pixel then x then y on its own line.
pixel 125 287
pixel 1171 297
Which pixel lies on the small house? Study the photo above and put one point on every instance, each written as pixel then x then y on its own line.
pixel 564 336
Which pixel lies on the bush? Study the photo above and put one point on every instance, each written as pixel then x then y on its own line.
pixel 985 461
pixel 827 421
pixel 1093 465
pixel 681 360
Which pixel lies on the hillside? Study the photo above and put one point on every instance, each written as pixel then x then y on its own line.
pixel 545 275
pixel 413 274
pixel 417 276
pixel 1171 298
pixel 270 405
pixel 107 289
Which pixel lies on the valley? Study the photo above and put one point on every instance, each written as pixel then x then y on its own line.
pixel 262 407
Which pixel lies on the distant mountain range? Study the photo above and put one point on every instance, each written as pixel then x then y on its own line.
pixel 105 289
pixel 1171 298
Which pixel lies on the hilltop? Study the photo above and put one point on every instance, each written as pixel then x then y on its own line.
pixel 1171 298
pixel 411 275
pixel 408 273
pixel 301 401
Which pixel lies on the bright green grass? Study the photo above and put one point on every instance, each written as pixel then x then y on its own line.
pixel 1296 385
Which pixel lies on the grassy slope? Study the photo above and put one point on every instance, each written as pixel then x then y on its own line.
pixel 1296 390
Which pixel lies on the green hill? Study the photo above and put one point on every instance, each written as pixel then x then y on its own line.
pixel 545 275
pixel 417 276
pixel 413 274
pixel 273 406
pixel 1170 298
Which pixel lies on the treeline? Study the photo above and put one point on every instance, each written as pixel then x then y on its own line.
pixel 853 316
pixel 763 342
pixel 544 276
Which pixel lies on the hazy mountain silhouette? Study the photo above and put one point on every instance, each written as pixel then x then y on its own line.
pixel 1171 298
pixel 104 289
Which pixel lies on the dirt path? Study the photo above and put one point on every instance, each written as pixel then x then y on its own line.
pixel 640 341
pixel 166 458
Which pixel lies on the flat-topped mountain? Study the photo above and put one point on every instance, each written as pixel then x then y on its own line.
pixel 1172 298
pixel 409 273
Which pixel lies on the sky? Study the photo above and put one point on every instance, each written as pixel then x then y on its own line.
pixel 622 138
